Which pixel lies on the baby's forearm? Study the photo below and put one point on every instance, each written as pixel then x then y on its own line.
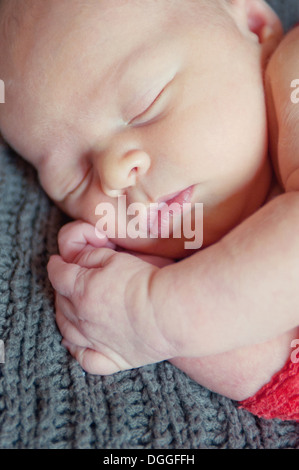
pixel 243 290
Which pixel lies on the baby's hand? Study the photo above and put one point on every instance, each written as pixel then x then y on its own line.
pixel 282 90
pixel 103 304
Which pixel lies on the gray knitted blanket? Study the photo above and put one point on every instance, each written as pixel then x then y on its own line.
pixel 47 402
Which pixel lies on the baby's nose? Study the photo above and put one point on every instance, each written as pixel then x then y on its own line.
pixel 120 172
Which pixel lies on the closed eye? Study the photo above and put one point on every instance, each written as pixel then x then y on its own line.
pixel 150 113
pixel 156 107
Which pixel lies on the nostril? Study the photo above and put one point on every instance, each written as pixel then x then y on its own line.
pixel 133 172
pixel 132 176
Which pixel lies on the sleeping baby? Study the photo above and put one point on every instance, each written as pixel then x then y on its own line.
pixel 161 103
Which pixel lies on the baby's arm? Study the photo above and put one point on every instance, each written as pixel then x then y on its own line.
pixel 242 290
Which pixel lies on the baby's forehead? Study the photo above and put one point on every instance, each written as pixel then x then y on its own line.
pixel 59 49
pixel 38 27
pixel 22 18
pixel 18 13
pixel 24 23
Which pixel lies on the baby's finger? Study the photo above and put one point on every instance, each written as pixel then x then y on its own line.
pixel 95 258
pixel 92 361
pixel 70 333
pixel 74 237
pixel 68 323
pixel 63 275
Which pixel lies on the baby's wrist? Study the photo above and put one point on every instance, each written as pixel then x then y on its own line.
pixel 147 315
pixel 162 298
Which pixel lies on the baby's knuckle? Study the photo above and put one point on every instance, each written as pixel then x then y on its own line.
pixel 87 257
pixel 86 296
pixel 83 324
pixel 80 287
pixel 109 259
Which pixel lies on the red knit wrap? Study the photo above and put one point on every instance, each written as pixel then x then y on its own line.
pixel 279 398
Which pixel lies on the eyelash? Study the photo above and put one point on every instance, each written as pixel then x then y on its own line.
pixel 141 115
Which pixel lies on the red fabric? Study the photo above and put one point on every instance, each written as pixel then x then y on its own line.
pixel 279 398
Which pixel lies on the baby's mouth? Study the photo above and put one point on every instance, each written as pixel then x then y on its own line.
pixel 179 197
pixel 167 211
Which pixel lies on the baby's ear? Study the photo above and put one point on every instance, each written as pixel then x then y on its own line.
pixel 257 17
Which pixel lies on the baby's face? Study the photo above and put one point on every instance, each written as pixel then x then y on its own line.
pixel 144 99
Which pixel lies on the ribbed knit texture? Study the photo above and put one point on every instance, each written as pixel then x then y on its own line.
pixel 46 401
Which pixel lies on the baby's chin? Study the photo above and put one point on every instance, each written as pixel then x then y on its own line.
pixel 164 247
pixel 174 248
